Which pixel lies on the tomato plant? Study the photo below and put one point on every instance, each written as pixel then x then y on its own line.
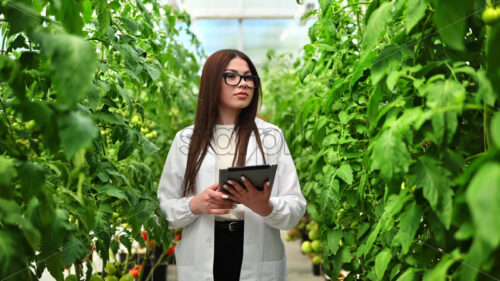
pixel 82 83
pixel 393 116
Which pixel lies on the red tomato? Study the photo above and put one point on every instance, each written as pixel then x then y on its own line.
pixel 171 250
pixel 144 236
pixel 134 272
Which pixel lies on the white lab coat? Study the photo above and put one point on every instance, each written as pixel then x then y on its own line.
pixel 263 250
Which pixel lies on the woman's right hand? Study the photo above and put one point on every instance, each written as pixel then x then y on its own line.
pixel 211 202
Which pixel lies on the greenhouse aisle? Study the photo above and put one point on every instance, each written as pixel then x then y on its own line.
pixel 299 266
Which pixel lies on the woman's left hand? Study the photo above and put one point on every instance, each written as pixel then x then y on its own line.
pixel 256 200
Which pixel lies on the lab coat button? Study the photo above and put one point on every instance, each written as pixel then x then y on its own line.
pixel 209 241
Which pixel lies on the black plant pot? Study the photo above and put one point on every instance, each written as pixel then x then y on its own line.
pixel 316 270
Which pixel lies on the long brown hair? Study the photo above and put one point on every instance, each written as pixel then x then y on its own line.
pixel 207 113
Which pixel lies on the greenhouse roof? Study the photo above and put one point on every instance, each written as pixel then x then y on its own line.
pixel 251 26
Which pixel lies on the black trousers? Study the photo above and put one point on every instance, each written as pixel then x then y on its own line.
pixel 228 254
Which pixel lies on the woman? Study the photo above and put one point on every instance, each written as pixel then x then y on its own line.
pixel 222 240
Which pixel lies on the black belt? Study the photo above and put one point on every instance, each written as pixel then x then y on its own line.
pixel 231 226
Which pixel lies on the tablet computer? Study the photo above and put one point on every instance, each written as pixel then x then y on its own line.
pixel 258 175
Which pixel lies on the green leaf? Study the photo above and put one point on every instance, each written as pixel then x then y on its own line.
pixel 450 17
pixel 361 69
pixel 446 99
pixel 333 241
pixel 408 275
pixel 73 249
pixel 372 237
pixel 7 171
pixel 388 61
pixel 87 11
pixel 362 229
pixel 439 273
pixel 73 63
pixel 103 16
pixel 32 180
pixel 493 58
pixel 393 206
pixel 345 173
pixel 93 97
pixel 495 129
pixel 111 191
pixel 373 105
pixel 8 248
pixel 344 117
pixel 479 252
pixel 54 265
pixel 381 261
pixel 76 131
pixel 415 11
pixel 125 97
pixel 153 71
pixel 132 61
pixel 483 195
pixel 70 16
pixel 108 117
pixel 375 27
pixel 389 155
pixel 20 16
pixel 434 180
pixel 144 11
pixel 148 147
pixel 19 42
pixel 130 25
pixel 409 222
pixel 128 145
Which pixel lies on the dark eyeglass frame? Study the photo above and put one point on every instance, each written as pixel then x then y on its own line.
pixel 255 78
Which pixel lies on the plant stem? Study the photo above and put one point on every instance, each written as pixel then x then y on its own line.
pixel 144 262
pixel 452 71
pixel 125 265
pixel 103 267
pixel 78 271
pixel 486 124
pixel 155 266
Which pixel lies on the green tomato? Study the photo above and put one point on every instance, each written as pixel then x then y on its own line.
pixel 491 16
pixel 316 245
pixel 306 247
pixel 127 277
pixel 317 260
pixel 110 268
pixel 136 119
pixel 96 277
pixel 314 234
pixel 71 277
pixel 30 125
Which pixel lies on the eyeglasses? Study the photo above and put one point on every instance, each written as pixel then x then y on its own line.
pixel 234 79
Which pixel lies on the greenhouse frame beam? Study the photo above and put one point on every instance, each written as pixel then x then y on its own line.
pixel 242 17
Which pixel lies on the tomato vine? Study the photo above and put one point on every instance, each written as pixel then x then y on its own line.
pixel 393 118
pixel 91 94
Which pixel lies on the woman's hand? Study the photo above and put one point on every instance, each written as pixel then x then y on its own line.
pixel 256 200
pixel 211 202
